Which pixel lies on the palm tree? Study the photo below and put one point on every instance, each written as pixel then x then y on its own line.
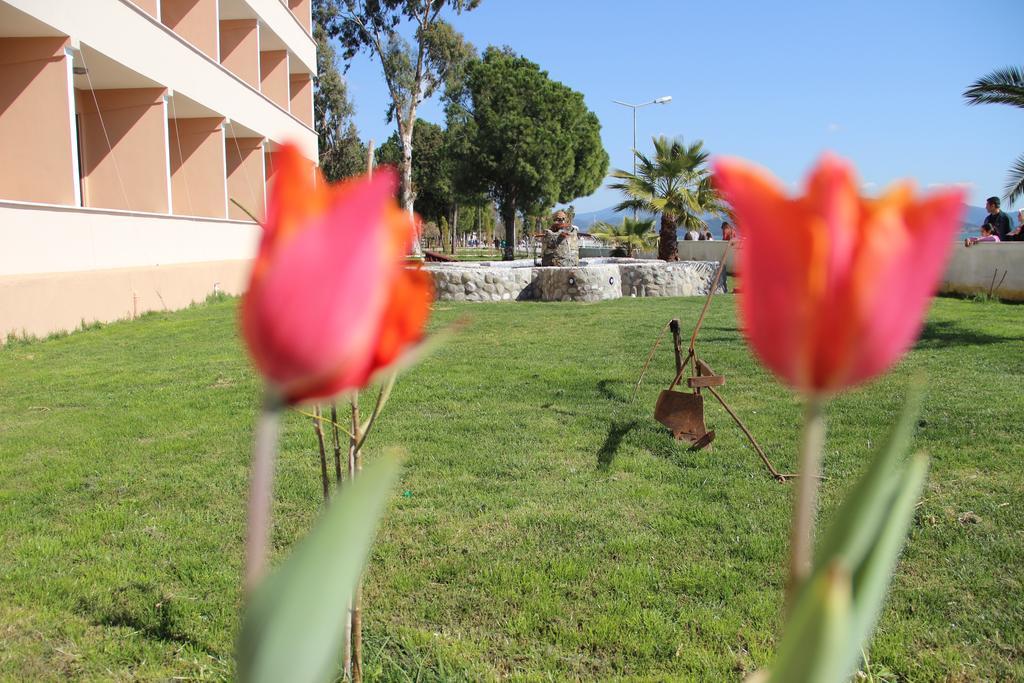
pixel 677 184
pixel 1003 86
pixel 632 235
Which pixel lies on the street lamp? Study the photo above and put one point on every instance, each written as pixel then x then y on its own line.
pixel 661 100
pixel 634 107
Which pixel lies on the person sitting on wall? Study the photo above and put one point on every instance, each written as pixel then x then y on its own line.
pixel 728 232
pixel 560 242
pixel 1018 234
pixel 999 221
pixel 987 235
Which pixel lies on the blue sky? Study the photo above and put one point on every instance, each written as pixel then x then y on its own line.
pixel 878 82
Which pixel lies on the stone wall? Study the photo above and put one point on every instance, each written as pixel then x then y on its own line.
pixel 658 278
pixel 454 283
pixel 597 279
pixel 585 283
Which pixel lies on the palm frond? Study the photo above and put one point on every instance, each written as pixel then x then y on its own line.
pixel 1015 181
pixel 1003 86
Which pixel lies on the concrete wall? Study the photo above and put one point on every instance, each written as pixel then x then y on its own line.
pixel 707 251
pixel 198 186
pixel 970 270
pixel 123 135
pixel 240 49
pixel 44 303
pixel 193 20
pixel 274 77
pixel 35 121
pixel 39 238
pixel 974 269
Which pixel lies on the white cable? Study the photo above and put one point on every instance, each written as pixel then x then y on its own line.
pixel 103 126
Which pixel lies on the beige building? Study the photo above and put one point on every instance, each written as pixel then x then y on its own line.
pixel 126 129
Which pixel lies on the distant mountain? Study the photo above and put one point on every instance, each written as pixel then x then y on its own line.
pixel 973 217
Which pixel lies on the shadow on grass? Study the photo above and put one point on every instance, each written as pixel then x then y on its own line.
pixel 611 444
pixel 945 333
pixel 142 608
pixel 605 387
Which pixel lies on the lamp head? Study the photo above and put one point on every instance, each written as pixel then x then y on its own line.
pixel 663 100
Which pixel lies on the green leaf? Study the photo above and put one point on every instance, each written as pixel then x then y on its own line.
pixel 861 547
pixel 857 520
pixel 817 630
pixel 872 579
pixel 293 626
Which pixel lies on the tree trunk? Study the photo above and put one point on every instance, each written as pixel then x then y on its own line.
pixel 508 215
pixel 455 224
pixel 668 242
pixel 408 195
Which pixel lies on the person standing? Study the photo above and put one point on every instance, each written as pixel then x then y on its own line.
pixel 996 219
pixel 561 242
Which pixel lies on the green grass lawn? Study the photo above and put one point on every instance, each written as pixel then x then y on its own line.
pixel 544 527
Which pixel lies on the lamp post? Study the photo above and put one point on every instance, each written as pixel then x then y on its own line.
pixel 634 107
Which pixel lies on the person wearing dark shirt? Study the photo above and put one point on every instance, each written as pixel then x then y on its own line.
pixel 1018 234
pixel 998 220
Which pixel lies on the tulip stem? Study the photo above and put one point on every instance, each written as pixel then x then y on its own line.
pixel 800 542
pixel 355 467
pixel 337 444
pixel 261 484
pixel 382 399
pixel 318 429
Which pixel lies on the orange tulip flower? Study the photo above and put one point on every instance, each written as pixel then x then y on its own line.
pixel 331 300
pixel 835 285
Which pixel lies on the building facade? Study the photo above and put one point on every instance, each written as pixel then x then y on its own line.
pixel 129 129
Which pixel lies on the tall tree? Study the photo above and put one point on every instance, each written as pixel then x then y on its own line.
pixel 412 71
pixel 342 153
pixel 675 183
pixel 529 141
pixel 431 168
pixel 1003 86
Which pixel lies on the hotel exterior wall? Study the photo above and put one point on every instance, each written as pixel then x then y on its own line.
pixel 274 76
pixel 62 263
pixel 131 172
pixel 302 10
pixel 195 21
pixel 198 180
pixel 128 35
pixel 150 7
pixel 289 28
pixel 42 238
pixel 35 121
pixel 45 303
pixel 240 49
pixel 300 87
pixel 245 176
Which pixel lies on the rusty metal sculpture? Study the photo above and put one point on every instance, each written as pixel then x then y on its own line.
pixel 683 412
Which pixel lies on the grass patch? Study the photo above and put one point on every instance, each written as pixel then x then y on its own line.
pixel 545 527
